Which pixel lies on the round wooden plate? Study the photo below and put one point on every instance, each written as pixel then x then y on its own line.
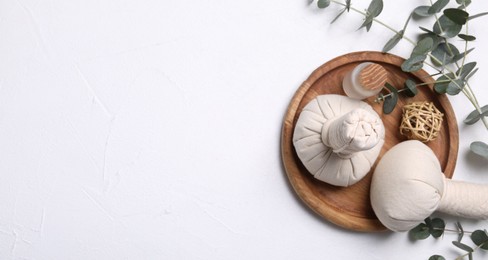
pixel 350 207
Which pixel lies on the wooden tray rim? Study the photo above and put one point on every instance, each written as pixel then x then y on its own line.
pixel 300 187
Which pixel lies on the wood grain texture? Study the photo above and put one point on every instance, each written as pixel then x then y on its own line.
pixel 373 76
pixel 350 207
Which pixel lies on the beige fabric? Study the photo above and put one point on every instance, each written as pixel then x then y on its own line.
pixel 338 139
pixel 407 186
pixel 467 200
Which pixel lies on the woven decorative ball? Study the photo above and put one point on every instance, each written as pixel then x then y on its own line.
pixel 421 121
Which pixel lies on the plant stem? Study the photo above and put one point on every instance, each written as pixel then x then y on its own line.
pixel 453 231
pixel 376 20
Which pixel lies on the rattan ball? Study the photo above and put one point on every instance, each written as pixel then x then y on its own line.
pixel 421 121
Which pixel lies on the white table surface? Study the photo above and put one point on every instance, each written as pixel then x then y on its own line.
pixel 151 129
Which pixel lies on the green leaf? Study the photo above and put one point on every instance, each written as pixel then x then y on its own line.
pixel 422 11
pixel 410 88
pixel 420 232
pixel 455 86
pixel 477 15
pixel 423 47
pixel 475 115
pixel 442 83
pixel 438 6
pixel 437 257
pixel 462 246
pixel 436 39
pixel 461 231
pixel 472 118
pixel 457 15
pixel 368 26
pixel 390 101
pixel 471 74
pixel 464 71
pixel 374 9
pixel 323 3
pixel 414 63
pixel 480 238
pixel 393 41
pixel 368 21
pixel 466 37
pixel 479 148
pixel 446 28
pixel 461 55
pixel 428 222
pixel 438 226
pixel 444 53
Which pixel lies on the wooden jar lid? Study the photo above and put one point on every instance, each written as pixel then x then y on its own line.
pixel 373 76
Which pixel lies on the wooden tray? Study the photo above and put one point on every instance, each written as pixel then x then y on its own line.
pixel 350 207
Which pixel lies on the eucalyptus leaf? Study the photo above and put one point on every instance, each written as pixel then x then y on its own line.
pixel 441 83
pixel 435 39
pixel 479 148
pixel 471 74
pixel 472 118
pixel 393 41
pixel 410 88
pixel 461 55
pixel 480 238
pixel 463 246
pixel 455 86
pixel 437 257
pixel 477 15
pixel 464 71
pixel 368 26
pixel 444 53
pixel 368 21
pixel 428 222
pixel 445 27
pixel 390 101
pixel 414 63
pixel 466 37
pixel 475 115
pixel 423 47
pixel 438 226
pixel 438 6
pixel 374 9
pixel 422 11
pixel 420 232
pixel 323 3
pixel 441 56
pixel 456 15
pixel 461 231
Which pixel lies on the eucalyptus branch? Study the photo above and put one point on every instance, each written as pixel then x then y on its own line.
pixel 445 27
pixel 436 227
pixel 375 20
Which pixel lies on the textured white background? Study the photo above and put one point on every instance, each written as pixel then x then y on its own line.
pixel 150 129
